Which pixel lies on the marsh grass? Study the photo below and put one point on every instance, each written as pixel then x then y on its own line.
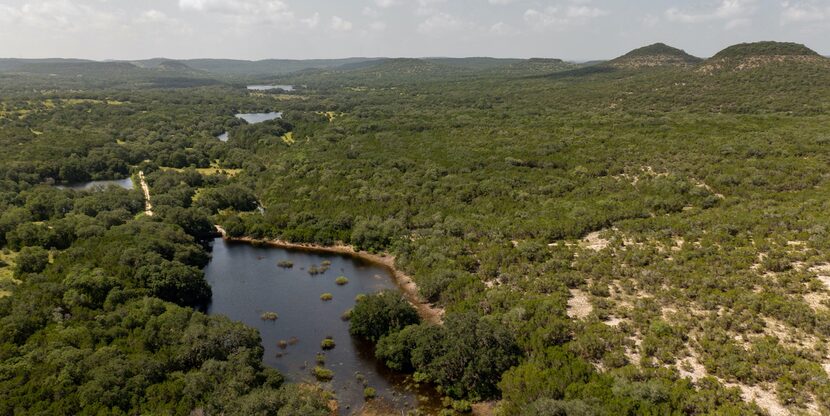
pixel 269 316
pixel 327 344
pixel 323 374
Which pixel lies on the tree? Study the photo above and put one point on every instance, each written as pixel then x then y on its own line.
pixel 379 314
pixel 31 260
pixel 176 282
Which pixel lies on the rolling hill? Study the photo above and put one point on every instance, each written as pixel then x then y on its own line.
pixel 656 55
pixel 757 55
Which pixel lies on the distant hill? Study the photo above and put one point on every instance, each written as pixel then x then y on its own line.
pixel 232 67
pixel 164 64
pixel 79 68
pixel 766 48
pixel 475 63
pixel 656 55
pixel 749 56
pixel 76 73
pixel 537 66
pixel 15 65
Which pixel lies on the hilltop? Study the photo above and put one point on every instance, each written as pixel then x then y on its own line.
pixel 535 66
pixel 656 55
pixel 748 56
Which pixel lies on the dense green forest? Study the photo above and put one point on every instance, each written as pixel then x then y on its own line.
pixel 636 237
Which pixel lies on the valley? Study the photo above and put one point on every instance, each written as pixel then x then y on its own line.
pixel 643 235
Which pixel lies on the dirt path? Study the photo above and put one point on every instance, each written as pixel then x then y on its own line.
pixel 148 207
pixel 428 312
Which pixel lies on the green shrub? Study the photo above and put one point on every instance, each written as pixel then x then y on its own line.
pixel 323 374
pixel 269 316
pixel 327 344
pixel 379 314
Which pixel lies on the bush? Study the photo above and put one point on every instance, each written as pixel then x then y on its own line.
pixel 369 393
pixel 269 316
pixel 31 260
pixel 379 314
pixel 325 297
pixel 436 352
pixel 342 280
pixel 323 374
pixel 327 344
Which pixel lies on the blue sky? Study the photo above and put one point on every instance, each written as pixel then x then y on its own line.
pixel 259 29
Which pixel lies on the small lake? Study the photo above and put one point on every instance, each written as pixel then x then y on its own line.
pixel 247 282
pixel 271 87
pixel 126 183
pixel 254 118
pixel 251 118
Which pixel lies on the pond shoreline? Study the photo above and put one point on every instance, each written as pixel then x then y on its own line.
pixel 427 311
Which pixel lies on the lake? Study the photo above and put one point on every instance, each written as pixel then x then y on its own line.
pixel 126 183
pixel 252 118
pixel 247 282
pixel 271 87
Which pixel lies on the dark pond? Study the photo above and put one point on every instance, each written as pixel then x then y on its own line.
pixel 92 185
pixel 270 87
pixel 247 282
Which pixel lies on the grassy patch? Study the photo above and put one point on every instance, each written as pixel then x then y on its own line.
pixel 327 344
pixel 323 374
pixel 269 316
pixel 288 138
pixel 7 263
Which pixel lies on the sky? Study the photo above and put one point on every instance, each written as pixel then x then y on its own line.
pixel 576 30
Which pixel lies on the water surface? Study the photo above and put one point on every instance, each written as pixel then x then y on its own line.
pixel 254 118
pixel 126 183
pixel 247 282
pixel 271 87
pixel 223 137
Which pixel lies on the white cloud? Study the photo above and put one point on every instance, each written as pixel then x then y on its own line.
pixel 650 20
pixel 560 18
pixel 502 2
pixel 312 21
pixel 370 12
pixel 154 16
pixel 503 29
pixel 58 16
pixel 803 12
pixel 736 13
pixel 738 23
pixel 384 4
pixel 441 23
pixel 264 11
pixel 158 19
pixel 378 26
pixel 341 25
pixel 427 7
